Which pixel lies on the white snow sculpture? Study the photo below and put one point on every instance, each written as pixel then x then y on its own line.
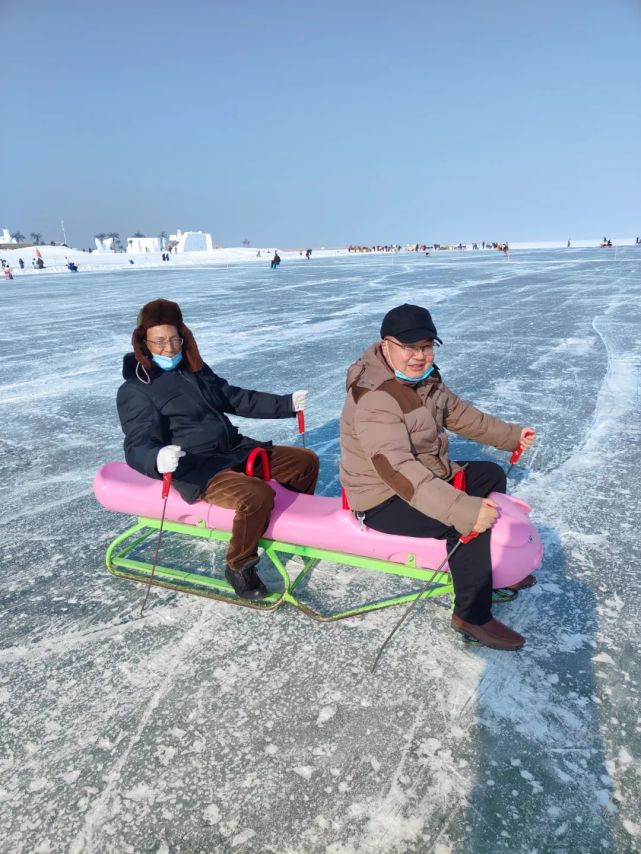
pixel 105 245
pixel 192 241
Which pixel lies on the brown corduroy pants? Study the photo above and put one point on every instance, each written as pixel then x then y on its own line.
pixel 253 499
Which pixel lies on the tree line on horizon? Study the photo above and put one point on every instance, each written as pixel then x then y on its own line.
pixel 34 236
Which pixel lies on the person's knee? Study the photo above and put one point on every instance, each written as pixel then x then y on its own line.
pixel 258 498
pixel 312 462
pixel 311 471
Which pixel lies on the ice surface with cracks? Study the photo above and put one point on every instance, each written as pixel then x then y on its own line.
pixel 204 727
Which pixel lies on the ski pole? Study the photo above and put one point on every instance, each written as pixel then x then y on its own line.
pixel 461 540
pixel 166 483
pixel 301 425
pixel 516 453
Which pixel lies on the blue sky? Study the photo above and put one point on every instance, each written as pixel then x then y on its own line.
pixel 307 123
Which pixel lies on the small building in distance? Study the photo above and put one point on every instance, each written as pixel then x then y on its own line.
pixel 191 241
pixel 146 244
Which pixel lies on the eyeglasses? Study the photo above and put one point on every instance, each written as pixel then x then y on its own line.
pixel 161 343
pixel 423 349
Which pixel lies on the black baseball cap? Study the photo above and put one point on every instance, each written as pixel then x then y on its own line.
pixel 409 323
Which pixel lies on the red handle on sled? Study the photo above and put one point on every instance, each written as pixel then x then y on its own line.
pixel 166 484
pixel 460 482
pixel 300 415
pixel 251 459
pixel 516 453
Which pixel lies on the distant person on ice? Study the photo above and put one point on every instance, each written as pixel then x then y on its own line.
pixel 173 411
pixel 275 260
pixel 396 469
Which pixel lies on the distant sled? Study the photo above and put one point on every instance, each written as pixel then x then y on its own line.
pixel 314 527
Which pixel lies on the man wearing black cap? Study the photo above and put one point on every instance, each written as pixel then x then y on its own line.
pixel 397 473
pixel 173 411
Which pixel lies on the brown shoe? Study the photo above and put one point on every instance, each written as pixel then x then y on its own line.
pixel 493 634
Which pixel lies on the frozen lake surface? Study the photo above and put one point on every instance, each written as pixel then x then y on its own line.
pixel 210 728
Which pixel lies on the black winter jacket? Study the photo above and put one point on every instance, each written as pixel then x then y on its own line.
pixel 183 408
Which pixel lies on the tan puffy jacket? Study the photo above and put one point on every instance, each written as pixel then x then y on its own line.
pixel 393 441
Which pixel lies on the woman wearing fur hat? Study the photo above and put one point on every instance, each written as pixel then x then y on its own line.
pixel 173 411
pixel 396 469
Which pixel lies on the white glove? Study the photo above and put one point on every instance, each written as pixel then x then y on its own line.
pixel 167 459
pixel 299 399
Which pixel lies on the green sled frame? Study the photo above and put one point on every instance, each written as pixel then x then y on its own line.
pixel 121 564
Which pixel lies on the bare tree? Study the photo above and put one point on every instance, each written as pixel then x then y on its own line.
pixel 116 239
pixel 36 236
pixel 137 234
pixel 19 237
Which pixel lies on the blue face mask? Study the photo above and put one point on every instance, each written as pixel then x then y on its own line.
pixel 424 376
pixel 167 363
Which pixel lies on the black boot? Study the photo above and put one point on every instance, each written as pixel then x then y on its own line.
pixel 246 582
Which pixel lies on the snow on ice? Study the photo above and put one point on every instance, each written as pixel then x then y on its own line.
pixel 205 727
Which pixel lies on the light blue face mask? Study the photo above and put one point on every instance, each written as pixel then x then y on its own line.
pixel 424 376
pixel 167 363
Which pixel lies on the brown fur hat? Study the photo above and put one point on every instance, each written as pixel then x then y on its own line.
pixel 162 312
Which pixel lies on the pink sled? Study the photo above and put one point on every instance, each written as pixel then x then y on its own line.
pixel 320 522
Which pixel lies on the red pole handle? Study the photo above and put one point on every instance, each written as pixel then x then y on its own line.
pixel 516 453
pixel 166 483
pixel 301 421
pixel 251 459
pixel 460 482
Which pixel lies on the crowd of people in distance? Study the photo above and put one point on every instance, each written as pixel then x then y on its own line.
pixel 426 248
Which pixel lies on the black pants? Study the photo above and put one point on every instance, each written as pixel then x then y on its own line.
pixel 471 566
